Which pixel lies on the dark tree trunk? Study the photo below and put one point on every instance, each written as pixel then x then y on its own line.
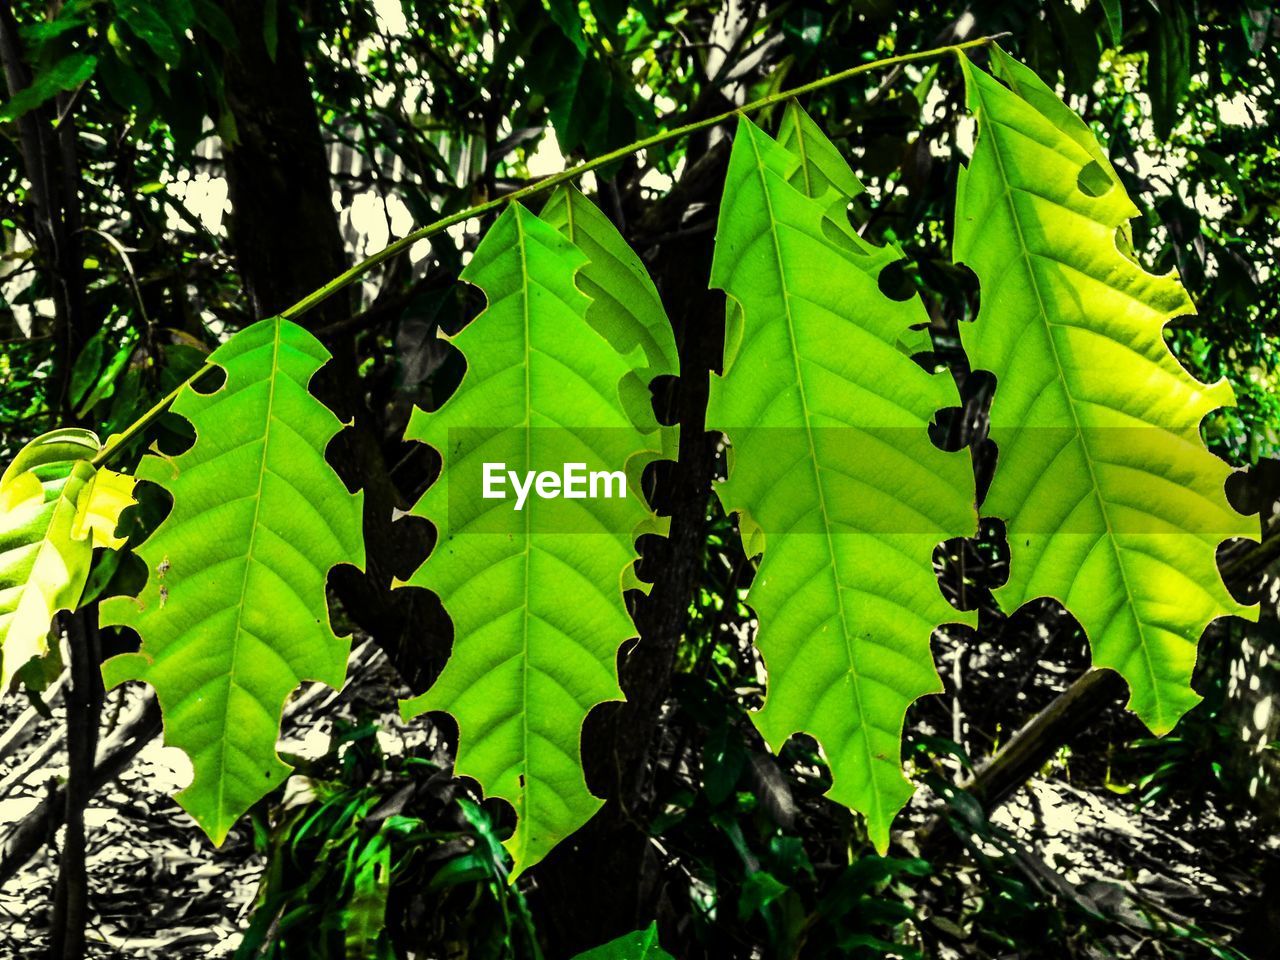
pixel 606 880
pixel 283 225
pixel 285 234
pixel 84 710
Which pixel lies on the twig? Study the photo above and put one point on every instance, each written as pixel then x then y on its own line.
pixel 22 729
pixel 348 277
pixel 114 756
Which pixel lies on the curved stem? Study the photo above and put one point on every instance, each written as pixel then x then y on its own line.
pixel 422 233
pixel 347 277
pixel 116 441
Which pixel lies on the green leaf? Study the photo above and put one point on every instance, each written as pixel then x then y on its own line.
pixel 625 307
pixel 365 914
pixel 822 171
pixel 271 28
pixel 233 615
pixel 591 102
pixel 125 84
pixel 84 372
pixel 1114 12
pixel 66 74
pixel 1112 504
pixel 638 945
pixel 147 21
pixel 45 538
pixel 564 14
pixel 833 474
pixel 535 595
pixel 1169 66
pixel 209 15
pixel 105 386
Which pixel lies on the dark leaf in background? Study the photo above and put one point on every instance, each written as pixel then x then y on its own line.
pixel 67 73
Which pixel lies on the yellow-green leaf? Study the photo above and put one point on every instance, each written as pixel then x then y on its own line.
pixel 535 595
pixel 1112 504
pixel 234 614
pixel 833 475
pixel 45 549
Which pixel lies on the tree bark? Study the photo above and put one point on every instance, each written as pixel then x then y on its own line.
pixel 84 710
pixel 605 881
pixel 283 226
pixel 285 234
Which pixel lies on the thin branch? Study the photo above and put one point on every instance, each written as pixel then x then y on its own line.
pixel 404 243
pixel 348 277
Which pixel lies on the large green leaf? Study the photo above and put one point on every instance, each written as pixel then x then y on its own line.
pixel 833 474
pixel 233 615
pixel 1113 506
pixel 535 595
pixel 637 945
pixel 50 521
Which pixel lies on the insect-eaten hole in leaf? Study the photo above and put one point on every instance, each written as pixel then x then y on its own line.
pixel 500 814
pixel 805 764
pixel 1250 491
pixel 1094 181
pixel 969 568
pixel 169 768
pixel 897 280
pixel 209 382
pixel 948 429
pixel 338 582
pixel 339 455
pixel 116 639
pixel 416 537
pixel 450 368
pixel 990 553
pixel 656 485
pixel 965 289
pixel 599 769
pixel 152 503
pixel 954 428
pixel 663 389
pixel 1044 619
pixel 653 558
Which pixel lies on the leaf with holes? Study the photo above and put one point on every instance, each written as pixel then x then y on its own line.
pixel 1113 505
pixel 833 474
pixel 234 615
pixel 535 593
pixel 55 507
pixel 625 308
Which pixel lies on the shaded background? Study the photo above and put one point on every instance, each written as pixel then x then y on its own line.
pixel 174 170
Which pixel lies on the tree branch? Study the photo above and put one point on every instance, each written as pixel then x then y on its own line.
pixel 1004 773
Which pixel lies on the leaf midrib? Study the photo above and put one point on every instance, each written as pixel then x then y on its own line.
pixel 526 784
pixel 232 683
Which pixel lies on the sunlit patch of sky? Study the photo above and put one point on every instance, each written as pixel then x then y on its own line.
pixel 373 217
